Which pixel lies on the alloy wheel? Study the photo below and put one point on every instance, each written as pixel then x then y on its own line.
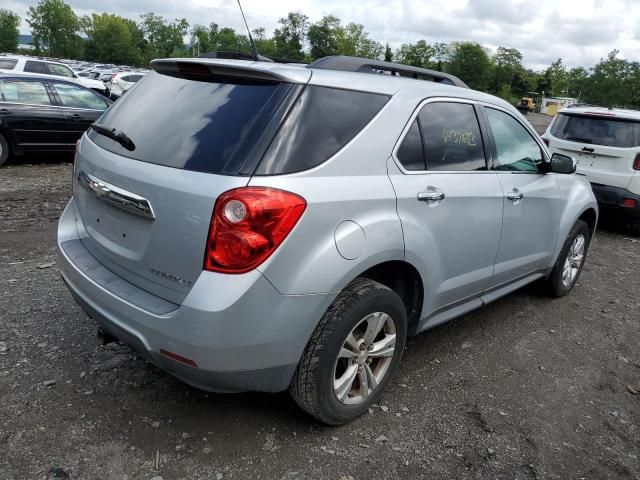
pixel 573 262
pixel 364 359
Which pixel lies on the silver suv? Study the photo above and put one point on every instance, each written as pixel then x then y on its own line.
pixel 258 226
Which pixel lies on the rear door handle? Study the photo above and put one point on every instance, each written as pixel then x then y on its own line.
pixel 515 195
pixel 76 116
pixel 4 111
pixel 431 194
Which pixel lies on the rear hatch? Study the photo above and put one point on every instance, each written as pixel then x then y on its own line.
pixel 604 145
pixel 193 132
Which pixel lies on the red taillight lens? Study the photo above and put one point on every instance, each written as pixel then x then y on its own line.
pixel 629 203
pixel 636 162
pixel 248 225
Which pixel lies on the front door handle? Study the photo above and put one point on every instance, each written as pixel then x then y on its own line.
pixel 431 194
pixel 4 111
pixel 76 116
pixel 515 195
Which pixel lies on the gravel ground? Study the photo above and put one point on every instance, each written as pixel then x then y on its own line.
pixel 525 388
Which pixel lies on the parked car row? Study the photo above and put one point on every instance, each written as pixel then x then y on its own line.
pixel 44 113
pixel 97 77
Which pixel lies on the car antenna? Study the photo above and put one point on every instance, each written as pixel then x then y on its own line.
pixel 253 44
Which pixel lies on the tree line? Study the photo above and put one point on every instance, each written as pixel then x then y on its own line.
pixel 109 38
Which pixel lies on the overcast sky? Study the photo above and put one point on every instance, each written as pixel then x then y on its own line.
pixel 578 31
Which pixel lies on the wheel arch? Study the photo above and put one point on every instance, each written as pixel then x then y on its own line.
pixel 404 279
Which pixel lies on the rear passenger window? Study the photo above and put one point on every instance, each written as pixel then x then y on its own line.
pixel 34 67
pixel 410 152
pixel 32 93
pixel 321 122
pixel 451 137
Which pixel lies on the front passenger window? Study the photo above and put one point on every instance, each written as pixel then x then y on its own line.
pixel 516 149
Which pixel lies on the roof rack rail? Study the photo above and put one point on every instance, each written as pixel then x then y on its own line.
pixel 366 65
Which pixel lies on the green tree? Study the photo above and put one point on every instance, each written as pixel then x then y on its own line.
pixel 54 24
pixel 559 79
pixel 354 40
pixel 201 39
pixel 613 82
pixel 323 37
pixel 9 23
pixel 508 66
pixel 388 54
pixel 470 62
pixel 265 46
pixel 165 39
pixel 417 54
pixel 440 55
pixel 290 36
pixel 111 39
pixel 577 82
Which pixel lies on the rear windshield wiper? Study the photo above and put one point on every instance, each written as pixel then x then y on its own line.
pixel 114 134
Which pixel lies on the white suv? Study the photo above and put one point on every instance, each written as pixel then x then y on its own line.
pixel 606 145
pixel 34 66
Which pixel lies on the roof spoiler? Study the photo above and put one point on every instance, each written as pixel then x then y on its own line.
pixel 219 70
pixel 366 65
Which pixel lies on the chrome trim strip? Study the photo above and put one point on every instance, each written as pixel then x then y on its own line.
pixel 116 196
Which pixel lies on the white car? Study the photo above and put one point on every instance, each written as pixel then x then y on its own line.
pixel 122 81
pixel 605 142
pixel 35 66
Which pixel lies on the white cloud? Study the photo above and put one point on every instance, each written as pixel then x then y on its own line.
pixel 578 31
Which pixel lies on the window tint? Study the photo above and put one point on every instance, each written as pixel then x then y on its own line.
pixel 515 148
pixel 134 78
pixel 451 137
pixel 8 63
pixel 221 124
pixel 597 130
pixel 410 152
pixel 73 96
pixel 33 93
pixel 34 67
pixel 59 70
pixel 322 121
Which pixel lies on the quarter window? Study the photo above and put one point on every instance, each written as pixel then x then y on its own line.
pixel 516 150
pixel 77 97
pixel 451 137
pixel 410 152
pixel 8 63
pixel 33 93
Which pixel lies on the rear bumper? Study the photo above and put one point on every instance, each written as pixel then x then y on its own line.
pixel 613 198
pixel 238 329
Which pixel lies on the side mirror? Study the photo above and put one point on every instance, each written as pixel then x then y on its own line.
pixel 562 164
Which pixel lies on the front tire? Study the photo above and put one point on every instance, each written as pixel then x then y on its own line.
pixel 569 265
pixel 352 353
pixel 4 149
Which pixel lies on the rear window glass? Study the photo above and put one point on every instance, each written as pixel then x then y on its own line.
pixel 195 125
pixel 321 122
pixel 608 132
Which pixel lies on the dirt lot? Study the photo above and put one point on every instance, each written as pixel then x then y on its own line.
pixel 526 388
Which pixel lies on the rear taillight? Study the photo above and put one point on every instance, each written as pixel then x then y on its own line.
pixel 113 76
pixel 636 162
pixel 248 224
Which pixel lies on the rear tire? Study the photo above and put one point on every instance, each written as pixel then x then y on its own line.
pixel 4 150
pixel 352 353
pixel 568 267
